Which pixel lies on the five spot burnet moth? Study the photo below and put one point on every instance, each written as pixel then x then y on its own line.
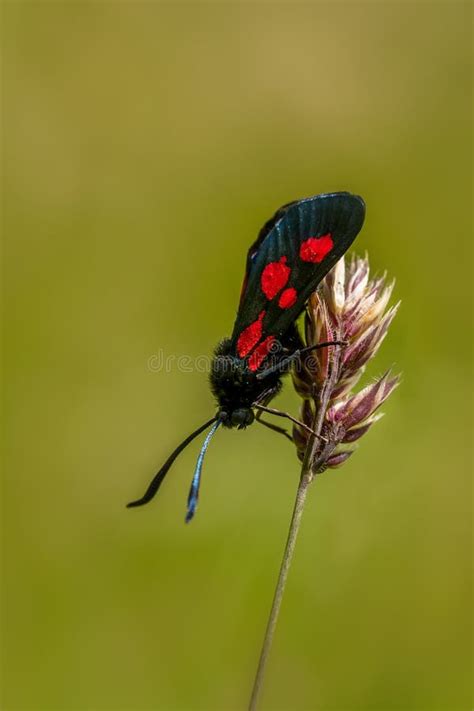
pixel 293 252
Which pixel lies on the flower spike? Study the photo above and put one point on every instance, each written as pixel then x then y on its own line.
pixel 351 307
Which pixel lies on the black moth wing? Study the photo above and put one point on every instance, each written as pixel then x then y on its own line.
pixel 252 253
pixel 340 215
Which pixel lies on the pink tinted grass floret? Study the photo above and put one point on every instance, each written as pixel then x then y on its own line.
pixel 352 307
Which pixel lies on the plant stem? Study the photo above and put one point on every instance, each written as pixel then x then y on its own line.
pixel 280 587
pixel 310 463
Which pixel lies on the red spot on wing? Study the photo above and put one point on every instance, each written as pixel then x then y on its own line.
pixel 260 353
pixel 274 277
pixel 288 298
pixel 250 336
pixel 315 249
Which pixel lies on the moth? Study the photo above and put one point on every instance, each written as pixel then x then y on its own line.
pixel 293 252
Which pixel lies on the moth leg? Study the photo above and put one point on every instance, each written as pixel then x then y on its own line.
pixel 267 395
pixel 279 413
pixel 286 362
pixel 292 341
pixel 271 426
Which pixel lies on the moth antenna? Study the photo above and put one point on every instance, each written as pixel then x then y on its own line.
pixel 158 478
pixel 194 490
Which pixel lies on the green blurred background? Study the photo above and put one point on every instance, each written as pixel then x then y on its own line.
pixel 145 145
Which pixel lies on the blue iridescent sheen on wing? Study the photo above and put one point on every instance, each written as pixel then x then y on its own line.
pixel 291 255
